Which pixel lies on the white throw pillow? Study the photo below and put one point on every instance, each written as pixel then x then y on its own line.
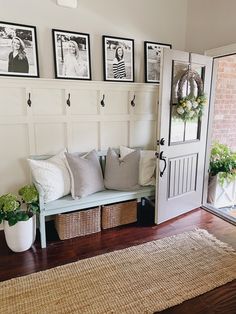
pixel 147 165
pixel 52 176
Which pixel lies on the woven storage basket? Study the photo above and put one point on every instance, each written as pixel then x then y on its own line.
pixel 78 223
pixel 119 214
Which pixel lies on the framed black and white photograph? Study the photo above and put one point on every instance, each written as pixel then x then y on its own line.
pixel 152 57
pixel 18 50
pixel 71 55
pixel 118 54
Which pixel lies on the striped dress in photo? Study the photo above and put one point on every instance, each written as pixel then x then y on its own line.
pixel 119 68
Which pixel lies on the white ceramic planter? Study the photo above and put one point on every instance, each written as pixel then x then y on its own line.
pixel 21 236
pixel 221 196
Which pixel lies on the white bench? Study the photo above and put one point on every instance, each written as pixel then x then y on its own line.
pixel 68 204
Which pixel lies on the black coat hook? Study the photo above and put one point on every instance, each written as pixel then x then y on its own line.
pixel 102 101
pixel 29 102
pixel 132 101
pixel 68 100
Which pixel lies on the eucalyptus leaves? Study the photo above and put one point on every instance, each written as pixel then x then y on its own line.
pixel 189 108
pixel 11 207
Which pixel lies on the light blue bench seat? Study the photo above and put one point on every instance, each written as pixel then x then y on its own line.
pixel 68 204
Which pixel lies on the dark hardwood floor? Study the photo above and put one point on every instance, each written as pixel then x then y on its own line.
pixel 220 300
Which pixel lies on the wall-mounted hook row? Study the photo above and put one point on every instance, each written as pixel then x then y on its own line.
pixel 29 102
pixel 68 100
pixel 102 101
pixel 132 101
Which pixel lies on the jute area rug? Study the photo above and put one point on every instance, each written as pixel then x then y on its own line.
pixel 141 279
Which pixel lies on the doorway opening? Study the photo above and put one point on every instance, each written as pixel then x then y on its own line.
pixel 221 196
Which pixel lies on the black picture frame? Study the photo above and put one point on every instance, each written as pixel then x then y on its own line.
pixel 152 60
pixel 71 55
pixel 118 68
pixel 18 50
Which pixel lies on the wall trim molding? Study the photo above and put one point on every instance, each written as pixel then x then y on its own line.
pixel 221 51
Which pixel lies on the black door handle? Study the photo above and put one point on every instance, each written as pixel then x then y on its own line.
pixel 165 163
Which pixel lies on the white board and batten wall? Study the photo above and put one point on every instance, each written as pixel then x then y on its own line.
pixel 50 125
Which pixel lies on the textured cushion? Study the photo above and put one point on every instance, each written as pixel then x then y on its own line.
pixel 52 176
pixel 122 174
pixel 147 165
pixel 86 174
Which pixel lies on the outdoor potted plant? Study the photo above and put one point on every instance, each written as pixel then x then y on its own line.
pixel 19 219
pixel 222 180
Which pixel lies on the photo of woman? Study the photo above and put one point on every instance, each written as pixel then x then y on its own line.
pixel 72 55
pixel 18 50
pixel 72 65
pixel 18 61
pixel 118 59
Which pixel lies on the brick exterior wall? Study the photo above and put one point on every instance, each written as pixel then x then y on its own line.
pixel 224 125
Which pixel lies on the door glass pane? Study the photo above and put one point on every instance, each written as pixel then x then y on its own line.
pixel 177 129
pixel 191 130
pixel 181 131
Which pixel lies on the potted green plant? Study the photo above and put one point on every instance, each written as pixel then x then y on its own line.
pixel 222 180
pixel 18 216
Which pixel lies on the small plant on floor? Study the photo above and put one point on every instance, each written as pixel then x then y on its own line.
pixel 223 162
pixel 13 210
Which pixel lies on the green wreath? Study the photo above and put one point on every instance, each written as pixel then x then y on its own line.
pixel 190 107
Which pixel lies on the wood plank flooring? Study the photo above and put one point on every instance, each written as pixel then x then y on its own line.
pixel 221 300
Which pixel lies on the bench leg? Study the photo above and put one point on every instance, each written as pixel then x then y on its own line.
pixel 42 231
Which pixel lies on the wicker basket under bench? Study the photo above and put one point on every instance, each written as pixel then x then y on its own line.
pixel 79 223
pixel 118 214
pixel 66 204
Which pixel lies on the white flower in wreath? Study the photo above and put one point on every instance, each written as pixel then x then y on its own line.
pixel 191 113
pixel 195 104
pixel 180 110
pixel 189 104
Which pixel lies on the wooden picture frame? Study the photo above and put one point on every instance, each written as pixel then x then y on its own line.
pixel 71 55
pixel 18 50
pixel 118 59
pixel 152 58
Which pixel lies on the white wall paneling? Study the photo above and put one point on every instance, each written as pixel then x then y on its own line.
pixel 51 123
pixel 114 134
pixel 84 136
pixel 16 100
pixel 143 134
pixel 48 101
pixel 14 143
pixel 115 101
pixel 50 137
pixel 84 101
pixel 145 102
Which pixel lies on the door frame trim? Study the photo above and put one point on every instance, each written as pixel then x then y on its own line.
pixel 216 53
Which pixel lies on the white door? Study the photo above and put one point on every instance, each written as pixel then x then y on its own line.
pixel 182 144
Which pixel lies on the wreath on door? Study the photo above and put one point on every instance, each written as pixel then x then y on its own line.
pixel 190 107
